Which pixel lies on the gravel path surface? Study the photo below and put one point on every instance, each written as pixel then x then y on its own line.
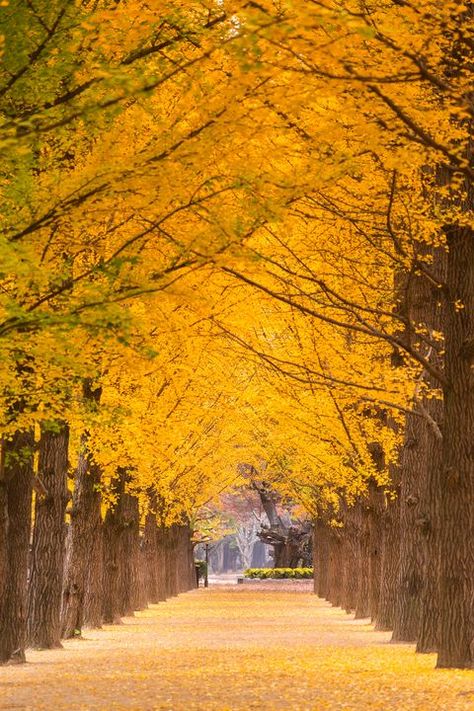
pixel 235 648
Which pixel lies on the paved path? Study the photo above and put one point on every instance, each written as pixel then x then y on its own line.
pixel 235 648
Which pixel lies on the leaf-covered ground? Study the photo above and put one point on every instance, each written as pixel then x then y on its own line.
pixel 235 648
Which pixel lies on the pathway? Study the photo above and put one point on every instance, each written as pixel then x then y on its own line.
pixel 235 648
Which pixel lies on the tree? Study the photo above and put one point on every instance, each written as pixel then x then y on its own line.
pixel 255 242
pixel 414 102
pixel 246 537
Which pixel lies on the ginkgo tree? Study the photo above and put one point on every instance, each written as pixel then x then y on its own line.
pixel 389 92
pixel 92 204
pixel 236 232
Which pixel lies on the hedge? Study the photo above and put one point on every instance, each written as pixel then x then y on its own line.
pixel 265 573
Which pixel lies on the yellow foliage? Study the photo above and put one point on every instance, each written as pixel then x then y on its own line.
pixel 208 213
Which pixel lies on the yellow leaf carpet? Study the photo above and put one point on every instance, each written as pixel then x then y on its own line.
pixel 235 647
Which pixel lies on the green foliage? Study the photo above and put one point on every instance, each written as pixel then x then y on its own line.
pixel 279 573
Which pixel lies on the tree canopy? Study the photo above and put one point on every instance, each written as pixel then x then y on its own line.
pixel 247 227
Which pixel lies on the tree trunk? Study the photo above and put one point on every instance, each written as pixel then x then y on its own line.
pixel 416 609
pixel 111 568
pixel 228 556
pixel 259 556
pixel 142 575
pixel 184 558
pixel 350 561
pixel 389 563
pixel 170 548
pixel 121 550
pixel 412 503
pixel 149 553
pixel 191 565
pixel 4 556
pixel 429 525
pixel 94 584
pixel 128 561
pixel 322 545
pixel 154 553
pixel 84 527
pixel 161 565
pixel 363 600
pixel 16 478
pixel 316 571
pixel 47 555
pixel 334 593
pixel 291 544
pixel 456 493
pixel 376 498
pixel 283 555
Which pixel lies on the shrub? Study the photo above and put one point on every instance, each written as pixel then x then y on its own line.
pixel 201 564
pixel 278 573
